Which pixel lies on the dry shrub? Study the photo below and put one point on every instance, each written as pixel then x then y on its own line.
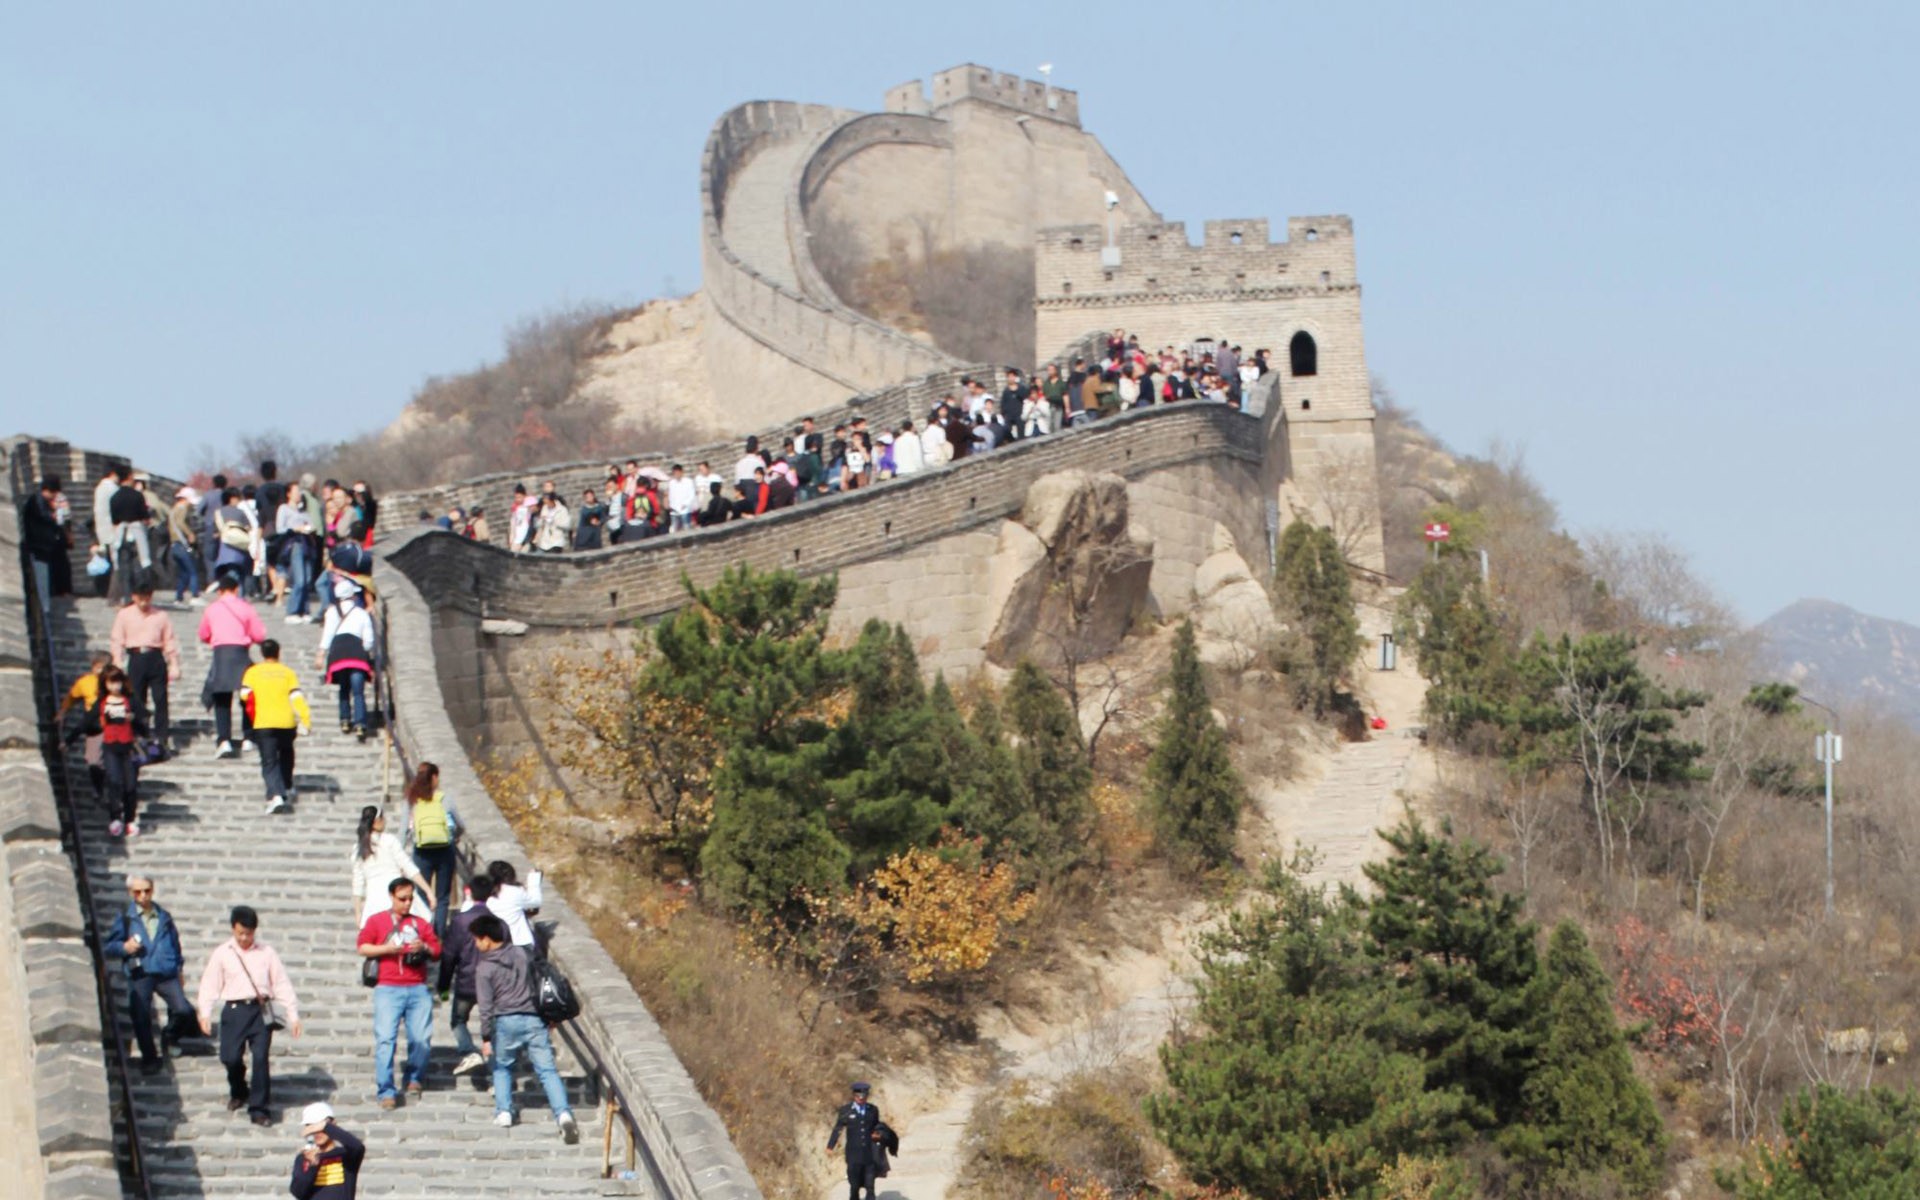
pixel 518 412
pixel 975 302
pixel 1089 1132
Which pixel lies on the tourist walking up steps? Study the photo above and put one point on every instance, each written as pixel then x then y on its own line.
pixel 433 828
pixel 512 903
pixel 346 651
pixel 147 943
pixel 404 945
pixel 458 960
pixel 510 1025
pixel 270 696
pixel 328 1165
pixel 232 628
pixel 247 989
pixel 144 645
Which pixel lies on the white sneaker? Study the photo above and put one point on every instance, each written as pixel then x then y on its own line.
pixel 569 1128
pixel 227 750
pixel 277 804
pixel 470 1063
pixel 503 1120
pixel 298 619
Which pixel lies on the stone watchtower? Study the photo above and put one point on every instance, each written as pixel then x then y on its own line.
pixel 1299 299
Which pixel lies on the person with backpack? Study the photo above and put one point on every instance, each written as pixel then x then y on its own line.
pixel 346 652
pixel 147 943
pixel 434 828
pixel 458 960
pixel 511 1024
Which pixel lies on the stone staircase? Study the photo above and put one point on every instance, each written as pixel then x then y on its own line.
pixel 208 844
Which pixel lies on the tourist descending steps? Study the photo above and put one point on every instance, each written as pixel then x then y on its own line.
pixel 378 860
pixel 147 943
pixel 458 961
pixel 245 980
pixel 144 645
pixel 403 945
pixel 270 696
pixel 346 651
pixel 510 1024
pixel 84 694
pixel 119 727
pixel 232 628
pixel 328 1166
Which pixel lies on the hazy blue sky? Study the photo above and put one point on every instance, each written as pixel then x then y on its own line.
pixel 1666 249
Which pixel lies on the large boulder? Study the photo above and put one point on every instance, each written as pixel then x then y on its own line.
pixel 1232 614
pixel 1070 575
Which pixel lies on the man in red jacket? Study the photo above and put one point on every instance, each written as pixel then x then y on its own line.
pixel 405 945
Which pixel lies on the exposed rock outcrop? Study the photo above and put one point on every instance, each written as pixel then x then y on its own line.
pixel 1232 614
pixel 1070 575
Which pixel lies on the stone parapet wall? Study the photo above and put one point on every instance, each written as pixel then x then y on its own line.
pixel 816 334
pixel 885 408
pixel 642 579
pixel 47 947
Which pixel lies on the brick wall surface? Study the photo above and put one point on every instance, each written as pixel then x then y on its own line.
pixel 46 943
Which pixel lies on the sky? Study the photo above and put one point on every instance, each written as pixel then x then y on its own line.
pixel 1665 251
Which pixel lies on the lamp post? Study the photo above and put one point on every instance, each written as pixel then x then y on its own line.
pixel 1826 750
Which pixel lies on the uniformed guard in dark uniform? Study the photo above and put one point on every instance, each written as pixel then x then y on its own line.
pixel 860 1121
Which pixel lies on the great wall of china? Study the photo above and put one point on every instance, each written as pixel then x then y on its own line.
pixel 468 624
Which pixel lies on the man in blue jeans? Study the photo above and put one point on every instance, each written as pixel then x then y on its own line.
pixel 510 1024
pixel 405 945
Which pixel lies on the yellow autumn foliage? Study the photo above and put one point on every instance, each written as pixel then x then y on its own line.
pixel 938 916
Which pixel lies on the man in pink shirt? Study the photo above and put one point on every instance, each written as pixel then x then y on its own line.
pixel 146 648
pixel 241 978
pixel 232 628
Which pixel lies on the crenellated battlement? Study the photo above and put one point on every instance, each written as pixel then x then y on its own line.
pixel 1158 257
pixel 970 81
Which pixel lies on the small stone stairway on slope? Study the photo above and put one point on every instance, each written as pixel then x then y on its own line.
pixel 208 843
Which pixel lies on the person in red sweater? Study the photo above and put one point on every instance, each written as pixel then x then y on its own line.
pixel 405 945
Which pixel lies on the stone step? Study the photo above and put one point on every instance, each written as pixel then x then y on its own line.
pixel 209 844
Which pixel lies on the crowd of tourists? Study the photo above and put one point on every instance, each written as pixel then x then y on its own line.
pixel 638 501
pixel 423 934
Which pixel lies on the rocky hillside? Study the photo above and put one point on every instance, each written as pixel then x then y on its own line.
pixel 1839 654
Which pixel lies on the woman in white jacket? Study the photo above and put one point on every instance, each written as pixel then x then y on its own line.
pixel 378 860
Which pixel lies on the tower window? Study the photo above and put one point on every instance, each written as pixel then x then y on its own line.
pixel 1303 357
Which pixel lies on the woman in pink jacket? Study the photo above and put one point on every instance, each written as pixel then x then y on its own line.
pixel 233 629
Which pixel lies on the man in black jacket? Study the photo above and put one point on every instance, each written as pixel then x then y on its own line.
pixel 1013 403
pixel 859 1120
pixel 458 958
pixel 329 1166
pixel 46 541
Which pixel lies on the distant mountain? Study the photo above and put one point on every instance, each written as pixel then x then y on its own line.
pixel 1838 654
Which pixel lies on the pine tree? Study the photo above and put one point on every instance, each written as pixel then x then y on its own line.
pixel 1838 1147
pixel 1458 948
pixel 1291 1087
pixel 1195 792
pixel 1051 760
pixel 1585 1120
pixel 989 799
pixel 1316 594
pixel 890 774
